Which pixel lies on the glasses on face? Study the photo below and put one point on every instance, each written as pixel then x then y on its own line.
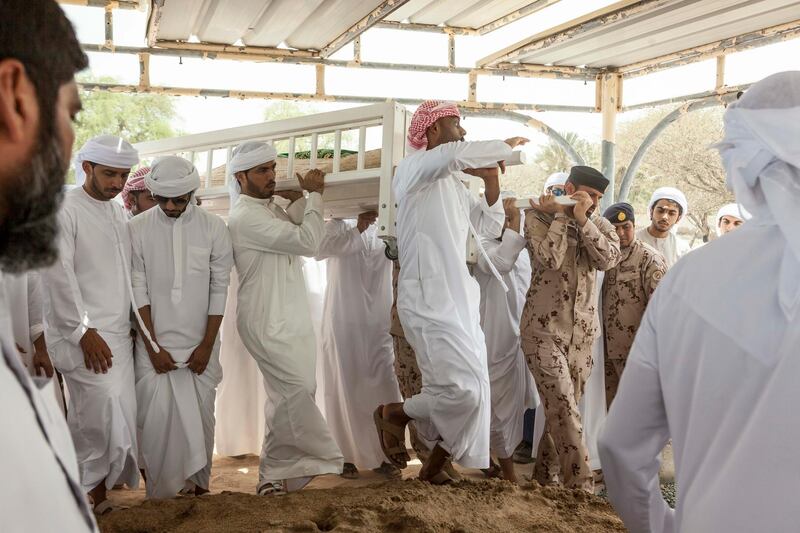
pixel 179 201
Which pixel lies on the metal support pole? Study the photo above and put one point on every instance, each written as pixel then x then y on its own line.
pixel 144 70
pixel 610 104
pixel 472 89
pixel 720 73
pixel 109 17
pixel 320 79
pixel 451 50
pixel 357 50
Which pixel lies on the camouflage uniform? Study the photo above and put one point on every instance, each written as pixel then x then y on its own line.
pixel 558 329
pixel 405 365
pixel 626 290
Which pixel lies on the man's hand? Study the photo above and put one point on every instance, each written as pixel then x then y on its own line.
pixel 581 210
pixel 484 173
pixel 292 196
pixel 547 204
pixel 365 220
pixel 313 181
pixel 96 353
pixel 41 362
pixel 512 214
pixel 162 361
pixel 198 361
pixel 513 142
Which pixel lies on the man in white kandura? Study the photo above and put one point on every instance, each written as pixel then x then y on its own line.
pixel 715 364
pixel 182 258
pixel 438 301
pixel 730 217
pixel 358 353
pixel 88 317
pixel 667 208
pixel 273 317
pixel 512 387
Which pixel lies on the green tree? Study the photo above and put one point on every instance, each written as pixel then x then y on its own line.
pixel 552 158
pixel 135 117
pixel 682 157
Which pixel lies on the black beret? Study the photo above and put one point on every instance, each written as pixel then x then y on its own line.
pixel 589 177
pixel 619 213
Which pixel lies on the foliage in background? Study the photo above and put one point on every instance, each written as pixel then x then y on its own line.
pixel 283 109
pixel 135 117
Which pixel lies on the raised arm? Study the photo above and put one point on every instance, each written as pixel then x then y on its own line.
pixel 504 256
pixel 423 168
pixel 339 239
pixel 601 243
pixel 547 243
pixel 259 230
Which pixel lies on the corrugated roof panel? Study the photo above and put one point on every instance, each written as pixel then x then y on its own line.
pixel 666 29
pixel 457 13
pixel 302 24
pixel 487 12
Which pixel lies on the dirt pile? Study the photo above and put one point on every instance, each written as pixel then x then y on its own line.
pixel 398 506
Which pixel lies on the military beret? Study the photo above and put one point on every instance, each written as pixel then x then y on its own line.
pixel 621 212
pixel 588 177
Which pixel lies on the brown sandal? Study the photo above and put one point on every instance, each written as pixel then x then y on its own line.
pixel 397 455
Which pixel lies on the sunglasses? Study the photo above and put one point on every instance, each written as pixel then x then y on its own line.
pixel 179 201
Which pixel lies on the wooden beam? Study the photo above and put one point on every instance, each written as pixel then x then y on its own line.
pixel 386 8
pixel 245 52
pixel 306 97
pixel 114 4
pixel 720 82
pixel 430 28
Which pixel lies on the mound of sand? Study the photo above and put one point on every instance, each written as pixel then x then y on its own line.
pixel 397 506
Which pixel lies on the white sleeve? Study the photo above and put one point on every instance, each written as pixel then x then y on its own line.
pixel 634 435
pixel 488 220
pixel 267 233
pixel 503 256
pixel 35 305
pixel 339 240
pixel 296 209
pixel 424 168
pixel 66 310
pixel 138 274
pixel 221 264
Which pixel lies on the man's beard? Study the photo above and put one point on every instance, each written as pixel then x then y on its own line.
pixel 28 232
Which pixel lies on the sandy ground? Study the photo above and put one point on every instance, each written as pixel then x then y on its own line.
pixel 370 503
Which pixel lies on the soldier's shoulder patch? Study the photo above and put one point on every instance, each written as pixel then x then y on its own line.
pixel 657 275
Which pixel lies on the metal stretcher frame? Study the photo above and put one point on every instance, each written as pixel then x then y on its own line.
pixel 346 191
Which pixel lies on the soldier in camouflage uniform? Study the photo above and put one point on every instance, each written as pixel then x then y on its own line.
pixel 567 245
pixel 626 290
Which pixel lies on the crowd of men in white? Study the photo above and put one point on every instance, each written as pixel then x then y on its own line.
pixel 712 367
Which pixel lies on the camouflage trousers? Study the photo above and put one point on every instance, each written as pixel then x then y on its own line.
pixel 410 380
pixel 613 372
pixel 560 373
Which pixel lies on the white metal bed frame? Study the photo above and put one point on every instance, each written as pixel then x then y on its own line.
pixel 346 192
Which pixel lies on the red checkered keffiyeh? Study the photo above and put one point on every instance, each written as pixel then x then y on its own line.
pixel 426 114
pixel 135 183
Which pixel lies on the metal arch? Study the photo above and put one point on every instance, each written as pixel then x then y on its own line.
pixel 531 123
pixel 638 157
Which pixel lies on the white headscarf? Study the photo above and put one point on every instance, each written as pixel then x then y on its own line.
pixel 172 176
pixel 761 155
pixel 246 156
pixel 669 193
pixel 731 210
pixel 108 150
pixel 554 179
